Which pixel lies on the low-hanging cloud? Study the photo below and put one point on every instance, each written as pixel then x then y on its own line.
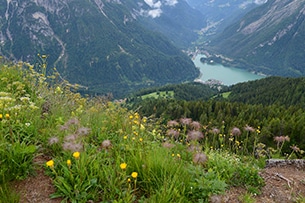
pixel 260 1
pixel 156 7
pixel 171 2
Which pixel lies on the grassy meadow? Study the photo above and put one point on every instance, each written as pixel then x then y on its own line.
pixel 97 151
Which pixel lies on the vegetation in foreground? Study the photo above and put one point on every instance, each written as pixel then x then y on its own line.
pixel 98 151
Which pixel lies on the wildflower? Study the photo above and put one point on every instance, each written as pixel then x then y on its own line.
pixel 125 137
pixel 76 155
pixel 215 131
pixel 70 138
pixel 123 166
pixel 168 145
pixel 69 162
pixel 131 117
pixel 141 139
pixel 235 131
pixel 1 116
pixel 194 148
pixel 172 123
pixel 50 163
pixel 200 158
pixel 53 140
pixel 173 133
pixel 128 180
pixel 83 131
pixel 144 120
pixel 195 125
pixel 295 148
pixel 194 135
pixel 185 121
pixel 136 115
pixel 72 121
pixel 106 144
pixel 178 155
pixel 58 90
pixel 281 139
pixel 72 146
pixel 134 175
pixel 249 128
pixel 142 127
pixel 173 155
pixel 7 116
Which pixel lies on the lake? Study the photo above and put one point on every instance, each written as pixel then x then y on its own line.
pixel 227 75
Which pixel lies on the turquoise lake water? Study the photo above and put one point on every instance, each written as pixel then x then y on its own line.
pixel 227 75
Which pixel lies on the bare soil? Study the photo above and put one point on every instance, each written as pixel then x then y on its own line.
pixel 283 184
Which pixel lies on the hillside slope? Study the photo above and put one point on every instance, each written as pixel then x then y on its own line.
pixel 98 44
pixel 270 39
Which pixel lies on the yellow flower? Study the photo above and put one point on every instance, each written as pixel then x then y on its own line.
pixel 1 116
pixel 144 120
pixel 178 155
pixel 69 162
pixel 141 139
pixel 134 174
pixel 125 137
pixel 131 117
pixel 173 154
pixel 128 180
pixel 76 155
pixel 142 127
pixel 123 166
pixel 136 115
pixel 50 163
pixel 7 116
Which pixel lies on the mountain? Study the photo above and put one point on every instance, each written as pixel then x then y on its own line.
pixel 177 20
pixel 221 13
pixel 270 39
pixel 96 43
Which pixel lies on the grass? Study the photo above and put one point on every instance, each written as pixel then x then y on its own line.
pixel 99 151
pixel 161 94
pixel 226 94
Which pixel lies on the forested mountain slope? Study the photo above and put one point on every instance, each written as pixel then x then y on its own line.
pixel 98 44
pixel 270 39
pixel 269 91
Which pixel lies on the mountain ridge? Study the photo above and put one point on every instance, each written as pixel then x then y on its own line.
pixel 98 44
pixel 268 39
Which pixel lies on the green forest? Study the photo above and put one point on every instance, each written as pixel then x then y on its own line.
pixel 274 104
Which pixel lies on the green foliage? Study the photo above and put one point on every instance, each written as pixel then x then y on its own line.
pixel 7 195
pixel 271 90
pixel 16 161
pixel 233 171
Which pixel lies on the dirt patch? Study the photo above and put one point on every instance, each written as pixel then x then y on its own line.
pixel 285 184
pixel 36 189
pixel 282 184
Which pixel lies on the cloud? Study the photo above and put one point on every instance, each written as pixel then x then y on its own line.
pixel 171 2
pixel 153 4
pixel 156 6
pixel 155 13
pixel 260 1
